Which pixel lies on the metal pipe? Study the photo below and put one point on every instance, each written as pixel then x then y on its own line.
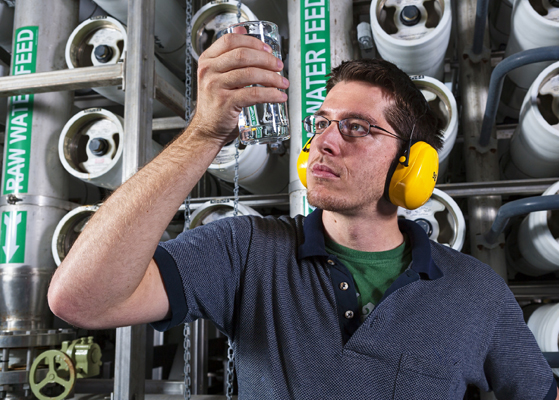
pixel 54 81
pixel 30 169
pixel 474 81
pixel 519 207
pixel 200 356
pixel 552 358
pixel 140 67
pixel 497 77
pixel 479 30
pixel 326 45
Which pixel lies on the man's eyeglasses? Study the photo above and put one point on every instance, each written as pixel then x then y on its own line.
pixel 353 127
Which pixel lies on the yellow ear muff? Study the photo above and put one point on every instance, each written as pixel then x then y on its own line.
pixel 410 187
pixel 302 161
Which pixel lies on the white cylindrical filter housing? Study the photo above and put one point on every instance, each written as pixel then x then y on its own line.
pixel 90 147
pixel 211 19
pixel 260 171
pixel 6 26
pixel 102 41
pixel 441 218
pixel 533 24
pixel 68 230
pixel 413 34
pixel 215 209
pixel 538 240
pixel 443 104
pixel 534 147
pixel 170 29
pixel 544 324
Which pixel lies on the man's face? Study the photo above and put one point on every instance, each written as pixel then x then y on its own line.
pixel 347 174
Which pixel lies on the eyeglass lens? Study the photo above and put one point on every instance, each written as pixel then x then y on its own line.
pixel 348 126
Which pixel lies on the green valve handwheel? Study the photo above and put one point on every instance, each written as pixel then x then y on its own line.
pixel 61 372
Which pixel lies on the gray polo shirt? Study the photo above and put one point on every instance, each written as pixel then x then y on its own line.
pixel 269 284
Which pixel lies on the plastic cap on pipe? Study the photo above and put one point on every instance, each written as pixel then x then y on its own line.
pixel 410 15
pixel 103 53
pixel 426 225
pixel 99 146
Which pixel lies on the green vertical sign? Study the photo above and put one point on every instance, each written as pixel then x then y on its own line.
pixel 12 237
pixel 20 115
pixel 315 61
pixel 315 56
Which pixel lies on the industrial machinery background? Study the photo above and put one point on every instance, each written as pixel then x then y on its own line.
pixel 55 128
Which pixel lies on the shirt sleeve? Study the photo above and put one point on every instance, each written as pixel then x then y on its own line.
pixel 514 366
pixel 201 271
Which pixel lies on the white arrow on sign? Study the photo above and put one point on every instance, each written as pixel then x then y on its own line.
pixel 11 223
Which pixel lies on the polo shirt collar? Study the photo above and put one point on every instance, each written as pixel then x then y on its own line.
pixel 421 247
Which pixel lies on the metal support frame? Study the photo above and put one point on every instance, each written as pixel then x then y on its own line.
pixel 84 78
pixel 139 88
pixel 474 81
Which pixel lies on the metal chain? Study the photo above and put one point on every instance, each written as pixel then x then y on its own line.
pixel 187 383
pixel 187 213
pixel 230 350
pixel 188 64
pixel 239 5
pixel 187 112
pixel 187 95
pixel 236 180
pixel 230 371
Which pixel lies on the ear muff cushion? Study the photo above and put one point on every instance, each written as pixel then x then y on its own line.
pixel 302 162
pixel 410 187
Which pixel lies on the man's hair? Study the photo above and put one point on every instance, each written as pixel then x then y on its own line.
pixel 408 105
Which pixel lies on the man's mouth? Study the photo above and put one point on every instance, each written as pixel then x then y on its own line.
pixel 322 171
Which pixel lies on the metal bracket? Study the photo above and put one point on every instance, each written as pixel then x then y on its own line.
pixel 484 56
pixel 36 200
pixel 480 241
pixel 491 146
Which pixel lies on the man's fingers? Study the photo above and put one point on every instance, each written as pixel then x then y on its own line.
pixel 253 76
pixel 250 96
pixel 242 57
pixel 231 41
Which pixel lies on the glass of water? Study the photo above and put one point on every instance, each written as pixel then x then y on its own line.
pixel 267 122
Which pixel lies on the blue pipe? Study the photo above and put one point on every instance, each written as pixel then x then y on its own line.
pixel 519 207
pixel 552 359
pixel 479 30
pixel 514 61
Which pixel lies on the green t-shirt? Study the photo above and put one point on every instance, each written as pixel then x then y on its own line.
pixel 373 272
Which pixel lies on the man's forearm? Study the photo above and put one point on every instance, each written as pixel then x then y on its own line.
pixel 111 256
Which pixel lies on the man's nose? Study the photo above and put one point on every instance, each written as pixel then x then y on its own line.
pixel 329 141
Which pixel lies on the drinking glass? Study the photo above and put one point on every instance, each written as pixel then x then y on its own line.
pixel 267 122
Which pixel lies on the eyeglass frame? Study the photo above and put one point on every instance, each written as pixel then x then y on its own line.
pixel 340 127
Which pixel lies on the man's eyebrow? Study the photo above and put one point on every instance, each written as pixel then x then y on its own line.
pixel 366 117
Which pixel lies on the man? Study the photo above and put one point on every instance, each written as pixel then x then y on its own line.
pixel 282 289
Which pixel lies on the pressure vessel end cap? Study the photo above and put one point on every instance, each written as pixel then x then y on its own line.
pixel 410 15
